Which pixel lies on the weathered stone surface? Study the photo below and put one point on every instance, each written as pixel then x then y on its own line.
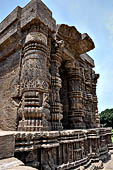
pixel 47 84
pixel 74 41
pixel 38 11
pixel 13 164
pixel 88 59
pixel 34 57
pixel 108 165
pixel 13 16
pixel 64 149
pixel 9 163
pixel 8 90
pixel 7 145
pixel 22 168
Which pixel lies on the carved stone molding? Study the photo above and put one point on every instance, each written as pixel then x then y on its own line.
pixel 56 84
pixel 76 112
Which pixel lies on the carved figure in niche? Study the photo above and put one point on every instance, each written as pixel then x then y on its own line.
pixel 70 152
pixel 72 85
pixel 44 109
pixel 48 162
pixel 51 160
pixel 31 158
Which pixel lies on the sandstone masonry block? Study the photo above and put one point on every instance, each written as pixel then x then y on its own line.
pixel 7 145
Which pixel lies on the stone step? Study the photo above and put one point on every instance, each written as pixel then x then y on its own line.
pixel 13 164
pixel 10 163
pixel 23 168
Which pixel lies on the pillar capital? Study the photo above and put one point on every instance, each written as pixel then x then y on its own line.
pixel 36 37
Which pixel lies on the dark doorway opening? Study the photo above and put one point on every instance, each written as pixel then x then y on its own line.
pixel 64 96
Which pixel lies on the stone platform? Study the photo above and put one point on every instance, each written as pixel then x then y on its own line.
pixel 61 150
pixel 9 163
pixel 13 164
pixel 7 150
pixel 109 165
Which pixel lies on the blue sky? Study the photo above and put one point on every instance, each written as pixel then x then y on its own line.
pixel 94 17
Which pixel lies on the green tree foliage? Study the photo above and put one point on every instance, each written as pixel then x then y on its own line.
pixel 106 118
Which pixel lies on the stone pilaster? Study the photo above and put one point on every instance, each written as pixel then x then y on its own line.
pixel 95 100
pixel 56 84
pixel 34 108
pixel 76 113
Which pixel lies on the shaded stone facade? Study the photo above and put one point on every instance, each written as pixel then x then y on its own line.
pixel 47 79
pixel 48 88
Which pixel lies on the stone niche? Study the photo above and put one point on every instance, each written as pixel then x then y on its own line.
pixel 48 89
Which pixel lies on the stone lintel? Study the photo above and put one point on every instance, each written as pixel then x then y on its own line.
pixel 12 17
pixel 10 34
pixel 87 58
pixel 75 42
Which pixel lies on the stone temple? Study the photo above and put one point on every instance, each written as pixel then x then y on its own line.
pixel 48 104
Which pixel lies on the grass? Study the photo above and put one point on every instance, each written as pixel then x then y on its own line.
pixel 112 139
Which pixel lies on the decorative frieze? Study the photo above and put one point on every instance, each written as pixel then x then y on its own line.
pixel 63 150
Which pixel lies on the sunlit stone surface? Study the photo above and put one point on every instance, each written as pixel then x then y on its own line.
pixel 48 101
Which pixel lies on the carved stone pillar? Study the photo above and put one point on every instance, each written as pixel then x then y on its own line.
pixel 95 100
pixel 76 113
pixel 56 84
pixel 88 97
pixel 34 108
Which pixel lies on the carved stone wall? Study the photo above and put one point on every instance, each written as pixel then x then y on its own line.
pixel 62 150
pixel 47 90
pixel 38 51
